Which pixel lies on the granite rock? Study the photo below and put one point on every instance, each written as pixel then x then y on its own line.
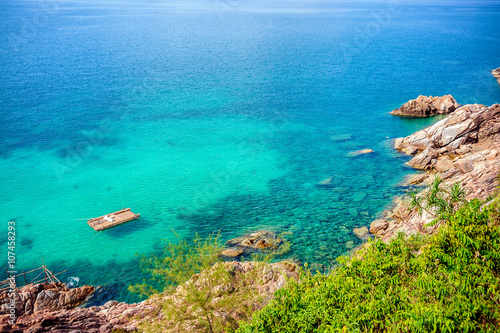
pixel 496 74
pixel 426 106
pixel 462 148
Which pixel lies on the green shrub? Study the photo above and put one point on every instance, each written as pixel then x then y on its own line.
pixel 447 282
pixel 178 263
pixel 182 262
pixel 197 291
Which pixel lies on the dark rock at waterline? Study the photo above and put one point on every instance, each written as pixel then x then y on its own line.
pixel 27 242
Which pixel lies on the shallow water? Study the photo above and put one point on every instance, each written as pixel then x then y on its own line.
pixel 217 117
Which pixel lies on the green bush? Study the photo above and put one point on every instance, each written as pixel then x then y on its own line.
pixel 447 282
pixel 197 291
pixel 178 263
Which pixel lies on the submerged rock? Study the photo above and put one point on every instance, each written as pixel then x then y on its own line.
pixel 325 183
pixel 426 106
pixel 360 152
pixel 361 232
pixel 341 137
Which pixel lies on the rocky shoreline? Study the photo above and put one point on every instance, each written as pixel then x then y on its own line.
pixel 462 148
pixel 51 308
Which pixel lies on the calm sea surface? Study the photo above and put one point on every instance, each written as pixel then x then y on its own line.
pixel 222 115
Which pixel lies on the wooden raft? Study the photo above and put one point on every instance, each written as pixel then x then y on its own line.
pixel 113 219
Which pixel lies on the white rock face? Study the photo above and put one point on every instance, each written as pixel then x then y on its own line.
pixel 460 127
pixel 462 148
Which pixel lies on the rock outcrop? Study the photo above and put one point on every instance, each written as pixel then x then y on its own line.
pixel 44 297
pixel 426 106
pixel 253 242
pixel 262 281
pixel 111 316
pixel 463 148
pixel 251 286
pixel 452 138
pixel 496 74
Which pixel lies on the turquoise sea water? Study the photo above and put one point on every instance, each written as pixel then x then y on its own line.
pixel 218 115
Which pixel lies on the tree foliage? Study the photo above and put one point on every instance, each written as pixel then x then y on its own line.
pixel 178 262
pixel 198 291
pixel 181 264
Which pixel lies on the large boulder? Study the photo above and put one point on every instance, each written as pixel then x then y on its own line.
pixel 465 165
pixel 444 164
pixel 378 227
pixel 426 106
pixel 361 232
pixel 253 242
pixel 44 297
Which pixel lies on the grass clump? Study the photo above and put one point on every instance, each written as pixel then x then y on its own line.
pixel 438 200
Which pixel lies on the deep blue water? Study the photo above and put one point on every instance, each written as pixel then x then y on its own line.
pixel 218 115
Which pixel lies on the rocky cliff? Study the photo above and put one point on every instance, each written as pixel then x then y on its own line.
pixel 464 148
pixel 54 312
pixel 43 297
pixel 425 106
pixel 39 298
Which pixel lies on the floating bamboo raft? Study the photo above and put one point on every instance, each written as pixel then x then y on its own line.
pixel 113 219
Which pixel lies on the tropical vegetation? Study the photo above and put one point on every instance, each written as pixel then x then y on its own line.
pixel 446 282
